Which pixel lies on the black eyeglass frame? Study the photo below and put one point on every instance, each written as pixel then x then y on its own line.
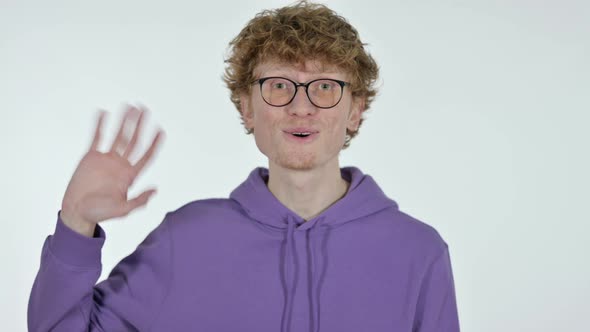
pixel 260 81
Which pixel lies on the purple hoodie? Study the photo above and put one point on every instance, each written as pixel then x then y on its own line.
pixel 248 263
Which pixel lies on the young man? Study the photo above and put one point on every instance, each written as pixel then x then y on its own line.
pixel 302 245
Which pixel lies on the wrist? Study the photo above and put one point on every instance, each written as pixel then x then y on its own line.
pixel 81 227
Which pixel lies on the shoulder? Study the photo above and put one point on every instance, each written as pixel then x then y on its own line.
pixel 204 206
pixel 203 213
pixel 413 233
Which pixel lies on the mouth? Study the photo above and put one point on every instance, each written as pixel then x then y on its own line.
pixel 301 134
pixel 301 137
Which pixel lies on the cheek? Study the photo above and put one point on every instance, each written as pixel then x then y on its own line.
pixel 340 122
pixel 265 122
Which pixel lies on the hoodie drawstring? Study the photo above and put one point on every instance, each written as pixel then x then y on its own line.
pixel 317 268
pixel 317 272
pixel 290 278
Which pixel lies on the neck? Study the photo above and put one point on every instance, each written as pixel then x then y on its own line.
pixel 307 192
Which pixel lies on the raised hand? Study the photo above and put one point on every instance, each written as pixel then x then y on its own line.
pixel 98 188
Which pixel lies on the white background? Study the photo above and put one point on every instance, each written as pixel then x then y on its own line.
pixel 480 130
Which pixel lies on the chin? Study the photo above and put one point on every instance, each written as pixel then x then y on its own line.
pixel 296 161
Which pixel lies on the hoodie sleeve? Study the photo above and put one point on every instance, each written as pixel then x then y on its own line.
pixel 436 309
pixel 64 296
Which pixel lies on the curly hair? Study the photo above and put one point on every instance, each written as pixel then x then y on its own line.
pixel 294 34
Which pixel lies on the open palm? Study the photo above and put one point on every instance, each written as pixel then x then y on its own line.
pixel 98 189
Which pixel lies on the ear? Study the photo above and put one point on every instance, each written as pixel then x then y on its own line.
pixel 356 111
pixel 246 110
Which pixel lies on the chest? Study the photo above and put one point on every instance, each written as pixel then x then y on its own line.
pixel 307 283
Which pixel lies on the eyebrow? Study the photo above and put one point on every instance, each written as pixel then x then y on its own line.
pixel 289 73
pixel 288 68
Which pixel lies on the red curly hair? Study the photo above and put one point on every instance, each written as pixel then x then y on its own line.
pixel 295 34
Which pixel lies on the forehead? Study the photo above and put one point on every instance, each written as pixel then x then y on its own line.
pixel 308 67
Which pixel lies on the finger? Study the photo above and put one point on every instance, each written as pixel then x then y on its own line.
pixel 121 139
pixel 136 133
pixel 148 154
pixel 96 139
pixel 136 202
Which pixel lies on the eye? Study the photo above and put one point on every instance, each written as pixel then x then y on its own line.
pixel 325 85
pixel 278 84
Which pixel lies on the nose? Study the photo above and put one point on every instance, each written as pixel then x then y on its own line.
pixel 301 105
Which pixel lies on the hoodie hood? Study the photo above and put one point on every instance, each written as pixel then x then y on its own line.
pixel 363 198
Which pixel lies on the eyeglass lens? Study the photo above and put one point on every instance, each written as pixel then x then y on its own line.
pixel 280 91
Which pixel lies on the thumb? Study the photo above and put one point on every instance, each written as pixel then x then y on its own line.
pixel 138 201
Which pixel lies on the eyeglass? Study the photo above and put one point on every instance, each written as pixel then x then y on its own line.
pixel 280 91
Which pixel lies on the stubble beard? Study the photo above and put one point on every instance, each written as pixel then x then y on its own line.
pixel 296 160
